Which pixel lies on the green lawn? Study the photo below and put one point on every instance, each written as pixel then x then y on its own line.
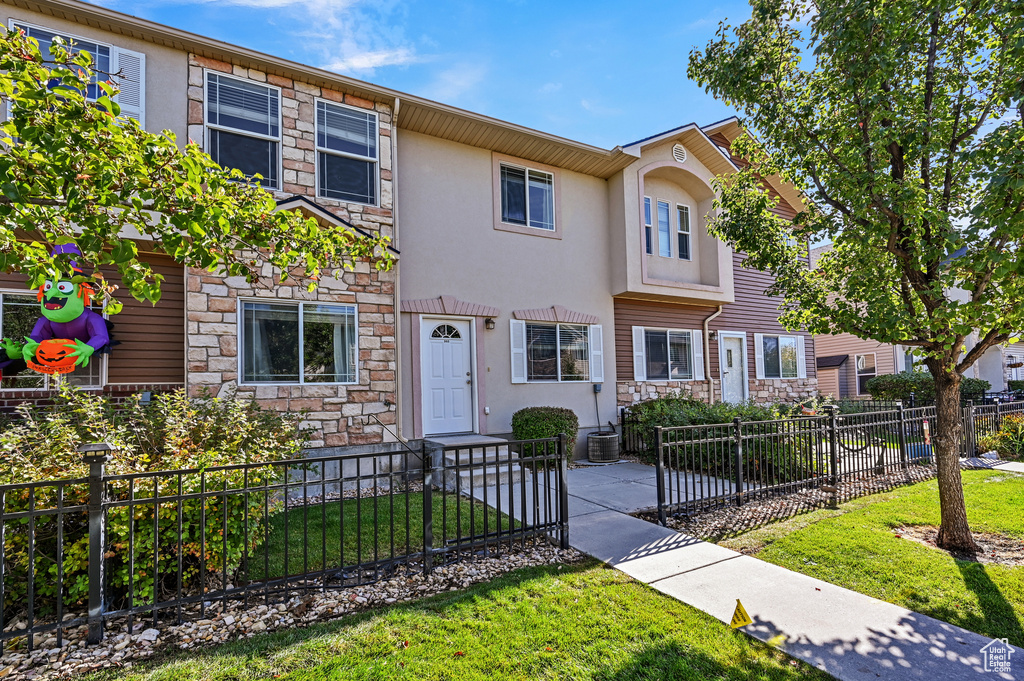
pixel 575 622
pixel 855 547
pixel 359 530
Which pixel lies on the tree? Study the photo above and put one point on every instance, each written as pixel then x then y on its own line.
pixel 901 124
pixel 74 170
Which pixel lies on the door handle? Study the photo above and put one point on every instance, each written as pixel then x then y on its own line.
pixel 468 381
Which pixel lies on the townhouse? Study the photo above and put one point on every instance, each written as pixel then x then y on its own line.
pixel 845 363
pixel 531 269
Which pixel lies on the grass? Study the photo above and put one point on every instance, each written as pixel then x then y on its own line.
pixel 855 547
pixel 577 622
pixel 358 530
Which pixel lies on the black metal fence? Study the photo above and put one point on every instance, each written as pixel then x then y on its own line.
pixel 173 545
pixel 710 466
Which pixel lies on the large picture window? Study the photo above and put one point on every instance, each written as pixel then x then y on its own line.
pixel 557 352
pixel 18 315
pixel 307 343
pixel 527 197
pixel 244 126
pixel 346 147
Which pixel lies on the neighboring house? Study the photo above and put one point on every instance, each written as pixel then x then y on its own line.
pixel 846 363
pixel 533 269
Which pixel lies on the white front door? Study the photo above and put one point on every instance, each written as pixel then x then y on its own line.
pixel 732 362
pixel 446 368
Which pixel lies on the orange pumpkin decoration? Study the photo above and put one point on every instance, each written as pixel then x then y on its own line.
pixel 53 357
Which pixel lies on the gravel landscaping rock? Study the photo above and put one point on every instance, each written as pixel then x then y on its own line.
pixel 729 521
pixel 122 648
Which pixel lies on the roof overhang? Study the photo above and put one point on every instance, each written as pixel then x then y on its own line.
pixel 314 210
pixel 693 137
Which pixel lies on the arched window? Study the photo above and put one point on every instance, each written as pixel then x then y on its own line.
pixel 445 331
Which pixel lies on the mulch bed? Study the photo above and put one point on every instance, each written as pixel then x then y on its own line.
pixel 995 548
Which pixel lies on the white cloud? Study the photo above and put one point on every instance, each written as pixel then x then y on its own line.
pixel 556 53
pixel 599 109
pixel 550 88
pixel 452 83
pixel 367 61
pixel 348 36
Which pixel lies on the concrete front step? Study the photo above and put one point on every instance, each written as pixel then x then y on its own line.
pixel 478 456
pixel 480 477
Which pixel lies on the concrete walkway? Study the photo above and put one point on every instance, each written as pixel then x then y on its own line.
pixel 849 635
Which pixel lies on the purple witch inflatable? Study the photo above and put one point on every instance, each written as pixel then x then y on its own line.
pixel 68 333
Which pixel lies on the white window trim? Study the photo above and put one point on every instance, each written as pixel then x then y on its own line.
pixel 208 126
pixel 345 154
pixel 115 56
pixel 240 321
pixel 801 357
pixel 648 220
pixel 47 378
pixel 857 374
pixel 668 227
pixel 688 232
pixel 640 355
pixel 554 199
pixel 520 353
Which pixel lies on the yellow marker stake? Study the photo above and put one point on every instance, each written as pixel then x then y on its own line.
pixel 740 618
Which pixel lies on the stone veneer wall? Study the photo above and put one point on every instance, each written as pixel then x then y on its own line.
pixel 761 390
pixel 339 413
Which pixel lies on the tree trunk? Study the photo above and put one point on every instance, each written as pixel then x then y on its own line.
pixel 954 533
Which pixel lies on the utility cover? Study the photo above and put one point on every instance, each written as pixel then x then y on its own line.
pixel 740 618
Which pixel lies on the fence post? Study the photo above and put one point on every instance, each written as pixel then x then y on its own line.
pixel 912 403
pixel 969 445
pixel 833 443
pixel 96 454
pixel 659 468
pixel 739 460
pixel 902 425
pixel 563 490
pixel 431 453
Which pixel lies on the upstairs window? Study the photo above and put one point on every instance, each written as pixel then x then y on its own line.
pixel 664 243
pixel 346 146
pixel 244 126
pixel 647 226
pixel 527 197
pixel 683 216
pixel 125 67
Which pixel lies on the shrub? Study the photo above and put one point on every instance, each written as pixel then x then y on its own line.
pixel 172 432
pixel 533 423
pixel 1009 441
pixel 1015 386
pixel 921 385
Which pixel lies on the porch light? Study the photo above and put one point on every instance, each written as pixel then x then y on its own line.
pixel 489 324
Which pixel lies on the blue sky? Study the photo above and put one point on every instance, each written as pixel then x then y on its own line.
pixel 604 73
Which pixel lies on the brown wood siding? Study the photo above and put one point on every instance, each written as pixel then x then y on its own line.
pixel 152 338
pixel 752 312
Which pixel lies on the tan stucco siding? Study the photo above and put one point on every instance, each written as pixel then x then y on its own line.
pixel 450 247
pixel 166 69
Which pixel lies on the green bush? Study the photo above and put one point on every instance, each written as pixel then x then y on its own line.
pixel 921 385
pixel 1009 441
pixel 1015 386
pixel 776 458
pixel 533 423
pixel 172 432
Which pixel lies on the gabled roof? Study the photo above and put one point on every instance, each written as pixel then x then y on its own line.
pixel 693 137
pixel 299 202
